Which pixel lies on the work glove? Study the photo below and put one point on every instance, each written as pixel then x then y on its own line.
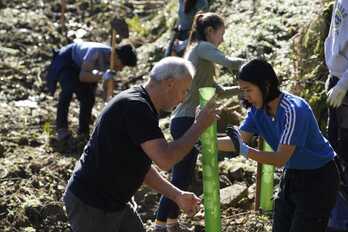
pixel 335 96
pixel 109 75
pixel 238 143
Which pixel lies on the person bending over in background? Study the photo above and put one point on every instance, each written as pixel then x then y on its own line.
pixel 78 67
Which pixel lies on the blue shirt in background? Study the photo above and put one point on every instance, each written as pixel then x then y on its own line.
pixel 293 124
pixel 185 20
pixel 97 54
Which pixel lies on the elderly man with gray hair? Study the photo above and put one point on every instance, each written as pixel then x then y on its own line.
pixel 126 139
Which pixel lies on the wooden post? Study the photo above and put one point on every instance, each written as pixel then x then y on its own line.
pixel 173 34
pixel 258 186
pixel 62 14
pixel 108 85
pixel 119 28
pixel 258 177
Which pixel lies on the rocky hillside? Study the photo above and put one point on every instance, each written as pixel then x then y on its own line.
pixel 34 167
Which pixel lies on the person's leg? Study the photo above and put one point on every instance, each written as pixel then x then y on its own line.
pixel 182 172
pixel 314 196
pixel 342 123
pixel 83 218
pixel 283 209
pixel 343 145
pixel 68 86
pixel 343 160
pixel 339 216
pixel 52 75
pixel 131 220
pixel 333 128
pixel 332 120
pixel 64 100
pixel 182 176
pixel 86 95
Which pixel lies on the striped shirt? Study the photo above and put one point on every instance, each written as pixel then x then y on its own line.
pixel 293 124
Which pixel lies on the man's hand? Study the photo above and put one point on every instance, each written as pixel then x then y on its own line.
pixel 335 96
pixel 188 202
pixel 238 143
pixel 206 116
pixel 109 75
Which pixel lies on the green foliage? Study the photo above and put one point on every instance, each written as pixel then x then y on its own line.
pixel 310 69
pixel 47 128
pixel 137 26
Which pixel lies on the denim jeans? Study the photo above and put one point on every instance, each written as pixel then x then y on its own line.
pixel 182 172
pixel 85 93
pixel 66 72
pixel 84 218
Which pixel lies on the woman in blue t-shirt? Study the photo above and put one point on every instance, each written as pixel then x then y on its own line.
pixel 309 184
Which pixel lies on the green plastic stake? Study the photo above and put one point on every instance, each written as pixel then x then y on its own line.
pixel 266 191
pixel 211 186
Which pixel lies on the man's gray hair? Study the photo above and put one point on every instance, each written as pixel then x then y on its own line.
pixel 172 67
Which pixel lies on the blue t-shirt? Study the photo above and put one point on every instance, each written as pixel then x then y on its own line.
pixel 294 124
pixel 185 20
pixel 97 54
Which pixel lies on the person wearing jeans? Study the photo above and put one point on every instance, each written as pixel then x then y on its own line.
pixel 78 67
pixel 182 172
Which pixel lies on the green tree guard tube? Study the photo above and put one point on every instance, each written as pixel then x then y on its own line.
pixel 266 193
pixel 211 186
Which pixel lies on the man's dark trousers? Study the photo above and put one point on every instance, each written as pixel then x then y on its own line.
pixel 64 70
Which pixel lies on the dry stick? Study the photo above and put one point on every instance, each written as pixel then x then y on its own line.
pixel 227 104
pixel 11 179
pixel 138 2
pixel 258 179
pixel 240 214
pixel 173 36
pixel 91 2
pixel 62 14
pixel 109 84
pixel 189 40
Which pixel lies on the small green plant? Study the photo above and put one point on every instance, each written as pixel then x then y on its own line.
pixel 47 129
pixel 136 25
